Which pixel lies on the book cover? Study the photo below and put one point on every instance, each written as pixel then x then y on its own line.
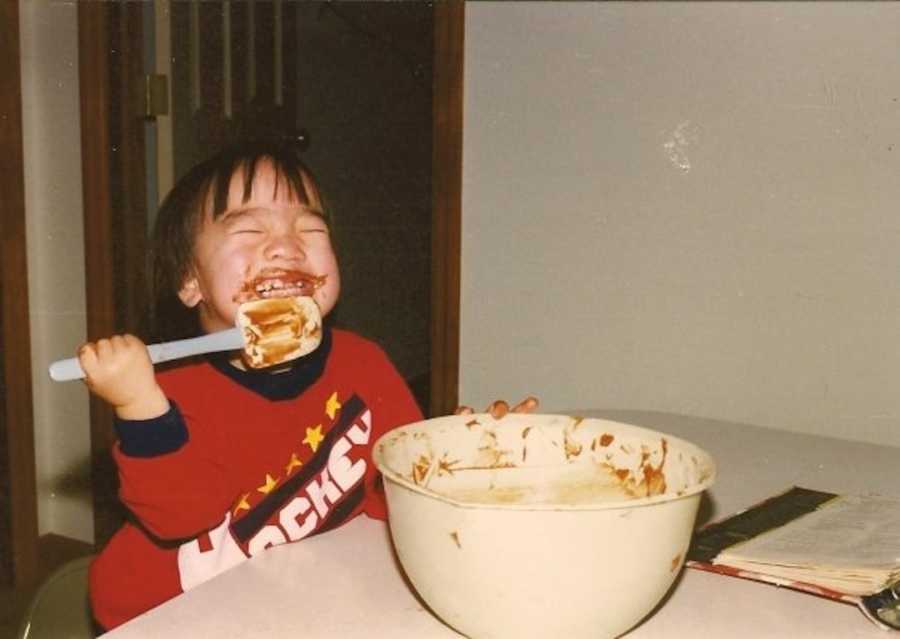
pixel 844 548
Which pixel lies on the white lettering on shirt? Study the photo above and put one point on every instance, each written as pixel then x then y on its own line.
pixel 196 566
pixel 266 538
pixel 290 522
pixel 345 472
pixel 298 518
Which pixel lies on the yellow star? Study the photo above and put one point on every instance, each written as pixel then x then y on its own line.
pixel 314 436
pixel 269 485
pixel 332 405
pixel 242 504
pixel 292 464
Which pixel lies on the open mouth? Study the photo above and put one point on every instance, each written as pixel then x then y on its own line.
pixel 281 283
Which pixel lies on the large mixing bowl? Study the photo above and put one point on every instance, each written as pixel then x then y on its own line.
pixel 540 525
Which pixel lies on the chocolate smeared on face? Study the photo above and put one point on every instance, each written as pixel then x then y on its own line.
pixel 275 283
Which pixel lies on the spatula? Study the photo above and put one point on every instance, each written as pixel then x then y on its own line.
pixel 269 331
pixel 227 340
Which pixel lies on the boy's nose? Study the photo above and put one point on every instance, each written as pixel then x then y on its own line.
pixel 284 246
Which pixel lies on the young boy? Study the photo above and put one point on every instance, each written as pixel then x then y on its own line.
pixel 218 462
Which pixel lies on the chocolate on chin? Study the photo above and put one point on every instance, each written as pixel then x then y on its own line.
pixel 279 329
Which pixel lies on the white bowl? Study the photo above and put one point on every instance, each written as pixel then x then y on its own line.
pixel 540 525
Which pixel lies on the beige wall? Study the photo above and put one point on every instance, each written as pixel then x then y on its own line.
pixel 55 261
pixel 689 208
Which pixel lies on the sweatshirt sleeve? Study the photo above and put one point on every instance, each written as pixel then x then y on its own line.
pixel 170 476
pixel 152 437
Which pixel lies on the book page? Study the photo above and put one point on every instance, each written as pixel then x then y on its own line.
pixel 849 532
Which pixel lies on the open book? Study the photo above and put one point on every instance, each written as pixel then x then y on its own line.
pixel 843 547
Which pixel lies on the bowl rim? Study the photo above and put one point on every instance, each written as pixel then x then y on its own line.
pixel 393 476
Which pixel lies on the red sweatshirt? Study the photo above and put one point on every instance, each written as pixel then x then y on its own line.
pixel 245 460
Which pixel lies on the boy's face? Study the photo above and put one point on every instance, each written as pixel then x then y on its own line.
pixel 269 246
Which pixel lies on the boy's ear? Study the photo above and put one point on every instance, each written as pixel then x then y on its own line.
pixel 190 294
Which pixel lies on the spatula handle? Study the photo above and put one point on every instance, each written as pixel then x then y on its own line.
pixel 227 340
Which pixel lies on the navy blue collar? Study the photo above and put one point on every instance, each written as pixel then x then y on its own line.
pixel 289 384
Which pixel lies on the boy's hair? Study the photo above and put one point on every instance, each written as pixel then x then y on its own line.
pixel 202 188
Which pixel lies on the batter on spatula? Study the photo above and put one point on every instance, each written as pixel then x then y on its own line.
pixel 280 329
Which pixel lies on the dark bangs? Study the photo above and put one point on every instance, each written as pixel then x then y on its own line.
pixel 289 171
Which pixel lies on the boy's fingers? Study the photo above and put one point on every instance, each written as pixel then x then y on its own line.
pixel 527 405
pixel 498 409
pixel 116 344
pixel 87 356
pixel 103 348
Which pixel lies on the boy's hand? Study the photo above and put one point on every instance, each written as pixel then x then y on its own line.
pixel 119 371
pixel 499 408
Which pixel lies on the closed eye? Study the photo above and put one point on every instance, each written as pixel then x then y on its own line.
pixel 244 227
pixel 242 222
pixel 312 224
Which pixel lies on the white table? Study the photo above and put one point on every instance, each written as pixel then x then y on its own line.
pixel 346 583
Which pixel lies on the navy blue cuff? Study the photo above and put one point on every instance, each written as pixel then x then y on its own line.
pixel 152 437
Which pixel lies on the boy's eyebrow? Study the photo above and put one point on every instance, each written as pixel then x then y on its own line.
pixel 314 210
pixel 229 215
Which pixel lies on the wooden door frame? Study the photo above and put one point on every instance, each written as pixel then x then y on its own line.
pixel 446 243
pixel 114 195
pixel 16 409
pixel 96 166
